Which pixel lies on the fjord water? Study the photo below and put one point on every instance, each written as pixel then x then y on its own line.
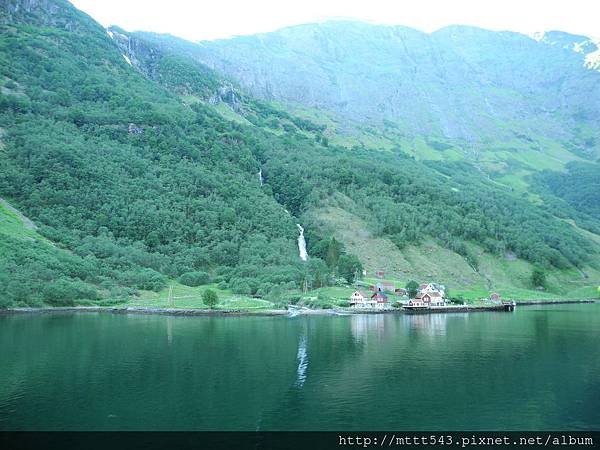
pixel 537 368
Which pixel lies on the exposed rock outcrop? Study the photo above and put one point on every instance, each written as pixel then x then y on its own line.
pixel 227 94
pixel 458 82
pixel 50 13
pixel 136 52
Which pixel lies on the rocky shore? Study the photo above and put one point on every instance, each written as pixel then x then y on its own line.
pixel 275 312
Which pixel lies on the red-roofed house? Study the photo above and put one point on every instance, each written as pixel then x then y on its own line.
pixel 360 299
pixel 427 300
pixel 381 299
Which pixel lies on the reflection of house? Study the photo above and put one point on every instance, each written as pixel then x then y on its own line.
pixel 432 325
pixel 365 326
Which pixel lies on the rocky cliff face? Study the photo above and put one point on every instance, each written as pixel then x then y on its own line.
pixel 51 13
pixel 148 54
pixel 460 82
pixel 135 51
pixel 588 48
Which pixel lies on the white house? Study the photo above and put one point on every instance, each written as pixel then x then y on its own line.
pixel 426 300
pixel 431 288
pixel 360 299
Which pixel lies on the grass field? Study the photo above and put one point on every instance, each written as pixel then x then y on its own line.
pixel 191 297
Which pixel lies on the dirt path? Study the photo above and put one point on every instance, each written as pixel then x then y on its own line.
pixel 27 223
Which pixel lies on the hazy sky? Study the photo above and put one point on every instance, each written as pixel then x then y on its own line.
pixel 213 19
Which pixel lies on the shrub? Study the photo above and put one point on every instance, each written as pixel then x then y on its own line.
pixel 210 298
pixel 538 277
pixel 194 278
pixel 146 279
pixel 412 288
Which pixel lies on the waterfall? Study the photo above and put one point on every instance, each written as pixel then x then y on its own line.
pixel 302 244
pixel 260 177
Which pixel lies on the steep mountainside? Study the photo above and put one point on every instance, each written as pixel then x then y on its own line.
pixel 458 83
pixel 140 165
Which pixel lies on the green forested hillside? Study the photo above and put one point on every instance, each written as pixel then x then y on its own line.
pixel 141 168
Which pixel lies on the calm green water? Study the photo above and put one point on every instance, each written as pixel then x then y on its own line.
pixel 537 368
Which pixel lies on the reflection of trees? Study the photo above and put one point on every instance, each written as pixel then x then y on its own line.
pixel 531 369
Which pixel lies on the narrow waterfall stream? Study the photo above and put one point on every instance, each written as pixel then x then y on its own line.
pixel 302 244
pixel 260 177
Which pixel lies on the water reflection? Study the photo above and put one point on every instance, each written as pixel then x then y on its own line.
pixel 431 325
pixel 534 369
pixel 302 357
pixel 169 330
pixel 364 325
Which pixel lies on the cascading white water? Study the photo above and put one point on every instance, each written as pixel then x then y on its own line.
pixel 260 177
pixel 302 244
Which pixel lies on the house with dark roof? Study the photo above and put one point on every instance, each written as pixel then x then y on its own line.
pixel 381 298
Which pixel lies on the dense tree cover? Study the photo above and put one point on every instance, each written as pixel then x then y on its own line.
pixel 337 261
pixel 180 197
pixel 406 201
pixel 34 273
pixel 578 190
pixel 194 278
pixel 538 277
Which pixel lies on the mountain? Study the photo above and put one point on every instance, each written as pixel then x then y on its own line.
pixel 142 162
pixel 456 83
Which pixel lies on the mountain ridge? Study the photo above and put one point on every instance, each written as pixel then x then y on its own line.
pixel 142 164
pixel 254 62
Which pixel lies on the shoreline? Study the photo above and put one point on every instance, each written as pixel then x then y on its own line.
pixel 275 312
pixel 149 311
